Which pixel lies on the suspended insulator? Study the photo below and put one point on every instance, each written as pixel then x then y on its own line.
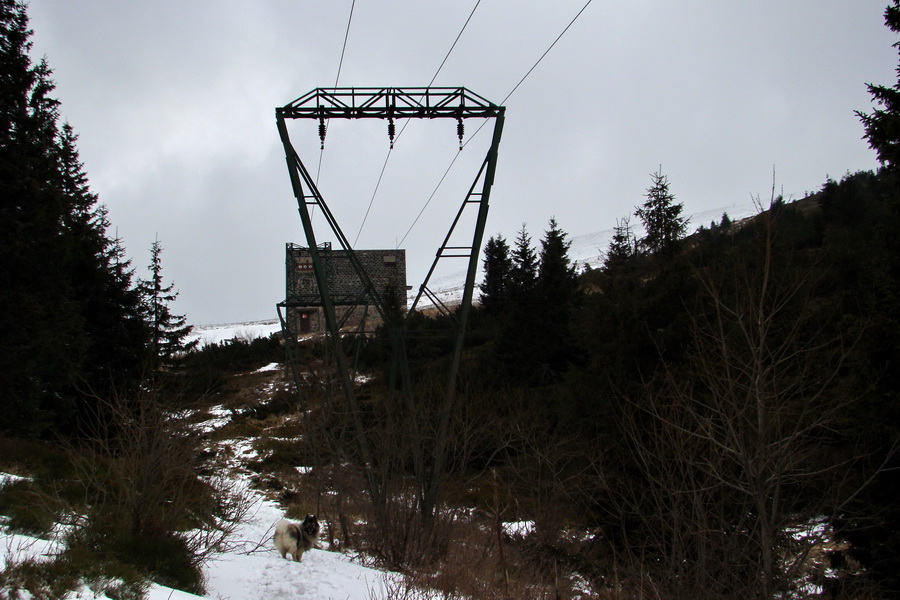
pixel 392 129
pixel 322 132
pixel 460 131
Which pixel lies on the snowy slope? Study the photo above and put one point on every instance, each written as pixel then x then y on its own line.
pixel 245 573
pixel 216 334
pixel 251 573
pixel 251 570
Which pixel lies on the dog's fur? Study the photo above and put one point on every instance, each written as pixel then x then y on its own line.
pixel 294 539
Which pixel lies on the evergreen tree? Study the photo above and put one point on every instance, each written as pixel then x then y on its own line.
pixel 41 341
pixel 101 278
pixel 168 331
pixel 557 279
pixel 128 332
pixel 725 223
pixel 517 349
pixel 536 342
pixel 523 274
pixel 556 301
pixel 661 216
pixel 497 267
pixel 623 245
pixel 860 218
pixel 883 124
pixel 69 320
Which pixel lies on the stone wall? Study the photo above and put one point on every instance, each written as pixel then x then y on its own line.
pixel 385 268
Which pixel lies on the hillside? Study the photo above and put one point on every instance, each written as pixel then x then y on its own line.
pixel 248 567
pixel 585 436
pixel 585 250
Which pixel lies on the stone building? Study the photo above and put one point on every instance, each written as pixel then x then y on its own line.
pixel 386 270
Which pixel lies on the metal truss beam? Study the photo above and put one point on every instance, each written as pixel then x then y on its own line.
pixel 389 103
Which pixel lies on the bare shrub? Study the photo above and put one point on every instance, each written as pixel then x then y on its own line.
pixel 473 567
pixel 146 504
pixel 731 450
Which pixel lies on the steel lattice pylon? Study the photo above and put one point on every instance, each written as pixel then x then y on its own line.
pixel 387 103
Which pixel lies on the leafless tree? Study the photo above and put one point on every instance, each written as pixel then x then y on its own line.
pixel 733 448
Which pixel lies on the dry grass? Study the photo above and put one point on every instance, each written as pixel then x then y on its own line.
pixel 461 553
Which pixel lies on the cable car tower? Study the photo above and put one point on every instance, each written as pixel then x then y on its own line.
pixel 389 104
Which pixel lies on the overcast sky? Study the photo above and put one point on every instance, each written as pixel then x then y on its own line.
pixel 174 103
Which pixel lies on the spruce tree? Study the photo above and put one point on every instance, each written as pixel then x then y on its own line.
pixel 622 247
pixel 557 279
pixel 556 302
pixel 517 346
pixel 882 125
pixel 497 268
pixel 41 341
pixel 876 547
pixel 168 331
pixel 661 216
pixel 101 278
pixel 63 299
pixel 536 343
pixel 523 274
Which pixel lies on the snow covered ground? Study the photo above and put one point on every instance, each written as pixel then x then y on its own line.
pixel 251 570
pixel 216 334
pixel 251 573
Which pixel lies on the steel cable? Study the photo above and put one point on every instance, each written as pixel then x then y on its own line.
pixel 480 127
pixel 406 122
pixel 337 77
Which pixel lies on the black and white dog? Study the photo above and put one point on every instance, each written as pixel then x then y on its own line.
pixel 294 539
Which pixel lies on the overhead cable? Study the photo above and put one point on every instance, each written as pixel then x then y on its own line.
pixel 406 122
pixel 502 102
pixel 427 202
pixel 459 35
pixel 547 51
pixel 337 78
pixel 344 47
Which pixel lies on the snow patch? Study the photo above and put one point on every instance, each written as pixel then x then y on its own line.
pixel 219 417
pixel 250 570
pixel 6 478
pixel 518 529
pixel 211 335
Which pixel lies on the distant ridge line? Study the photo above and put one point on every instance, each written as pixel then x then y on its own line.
pixel 206 326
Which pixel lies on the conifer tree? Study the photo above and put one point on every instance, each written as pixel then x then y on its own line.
pixel 882 125
pixel 876 547
pixel 557 279
pixel 622 246
pixel 497 267
pixel 68 318
pixel 725 222
pixel 517 346
pixel 523 273
pixel 661 216
pixel 101 278
pixel 536 342
pixel 556 301
pixel 41 341
pixel 168 331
